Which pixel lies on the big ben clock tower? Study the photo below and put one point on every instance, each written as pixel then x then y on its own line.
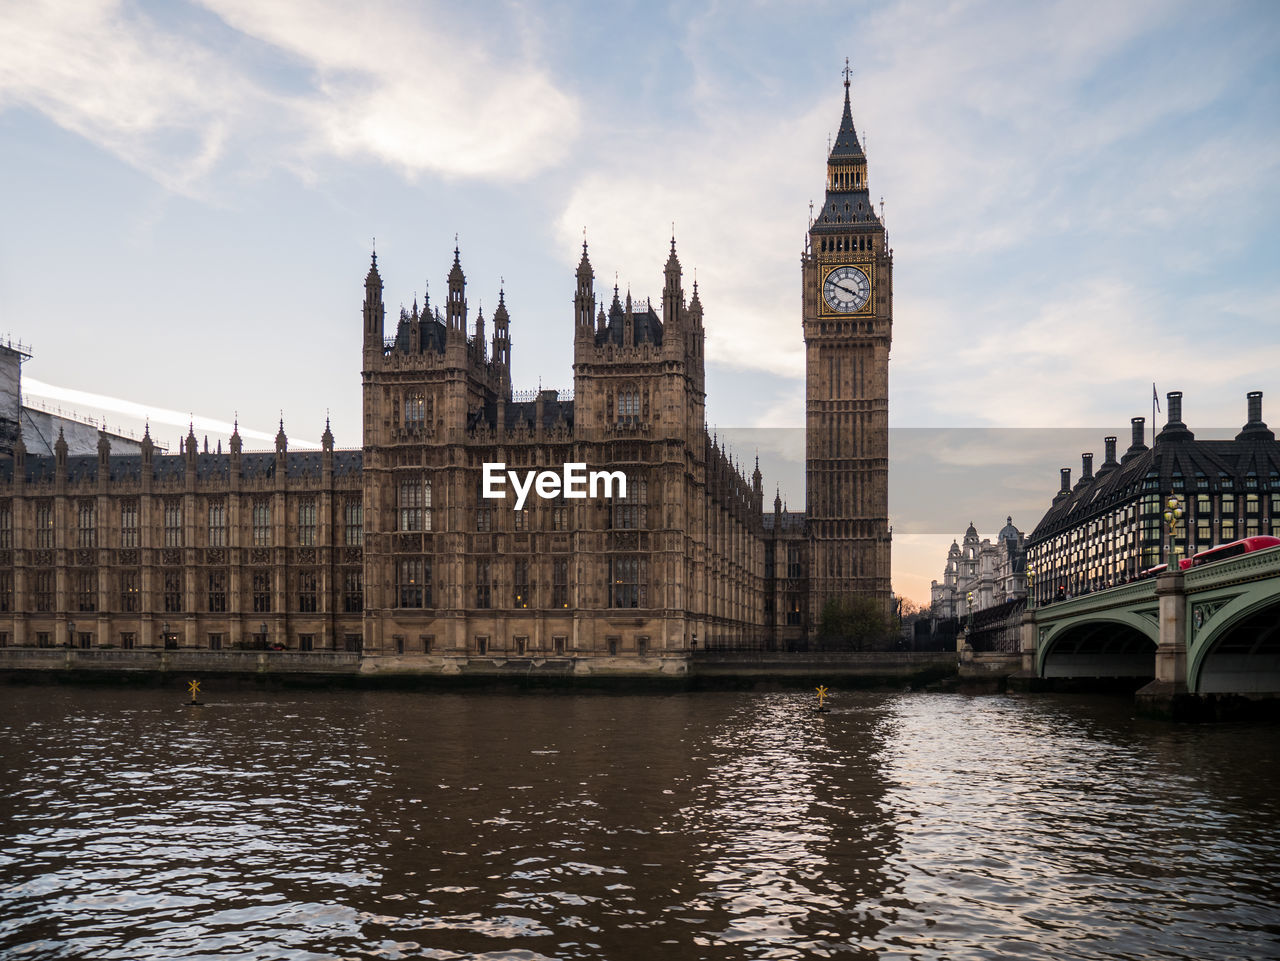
pixel 848 323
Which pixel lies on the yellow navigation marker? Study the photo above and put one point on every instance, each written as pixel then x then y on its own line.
pixel 194 688
pixel 822 696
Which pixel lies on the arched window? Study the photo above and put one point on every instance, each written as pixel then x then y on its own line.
pixel 628 407
pixel 415 410
pixel 632 511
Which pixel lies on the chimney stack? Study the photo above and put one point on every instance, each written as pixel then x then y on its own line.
pixel 1137 445
pixel 1065 487
pixel 1111 450
pixel 1086 466
pixel 1175 429
pixel 1255 429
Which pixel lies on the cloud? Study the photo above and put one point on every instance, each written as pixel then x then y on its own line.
pixel 1077 354
pixel 725 184
pixel 158 101
pixel 289 84
pixel 1034 133
pixel 396 86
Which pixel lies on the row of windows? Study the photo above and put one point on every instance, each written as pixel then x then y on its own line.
pixel 1225 481
pixel 426 643
pixel 845 177
pixel 215 641
pixel 414 512
pixel 846 244
pixel 84 586
pixel 1232 512
pixel 628 583
pixel 260 515
pixel 1129 555
pixel 413 507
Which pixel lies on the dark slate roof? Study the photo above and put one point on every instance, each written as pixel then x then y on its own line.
pixel 524 413
pixel 846 146
pixel 844 207
pixel 82 467
pixel 431 332
pixel 792 521
pixel 648 326
pixel 254 466
pixel 347 463
pixel 1223 464
pixel 126 468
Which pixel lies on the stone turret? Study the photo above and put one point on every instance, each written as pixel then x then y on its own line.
pixel 374 311
pixel 672 294
pixel 148 455
pixel 502 345
pixel 60 460
pixel 235 447
pixel 326 454
pixel 19 462
pixel 456 310
pixel 584 302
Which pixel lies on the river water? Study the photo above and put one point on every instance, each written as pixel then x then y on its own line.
pixel 315 825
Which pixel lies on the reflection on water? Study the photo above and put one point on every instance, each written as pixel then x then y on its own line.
pixel 355 825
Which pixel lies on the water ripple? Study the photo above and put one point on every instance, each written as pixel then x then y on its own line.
pixel 342 825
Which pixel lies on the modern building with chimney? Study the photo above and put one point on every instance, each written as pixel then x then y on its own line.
pixel 1107 527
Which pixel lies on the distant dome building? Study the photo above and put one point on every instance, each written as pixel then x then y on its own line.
pixel 994 572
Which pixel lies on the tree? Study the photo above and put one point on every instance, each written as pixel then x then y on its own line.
pixel 853 623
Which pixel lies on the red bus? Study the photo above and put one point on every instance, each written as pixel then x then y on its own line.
pixel 1234 549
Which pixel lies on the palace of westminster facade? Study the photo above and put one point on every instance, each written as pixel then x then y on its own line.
pixel 391 550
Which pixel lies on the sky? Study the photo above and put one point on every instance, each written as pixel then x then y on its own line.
pixel 1081 197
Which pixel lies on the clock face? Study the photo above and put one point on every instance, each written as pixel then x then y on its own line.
pixel 846 289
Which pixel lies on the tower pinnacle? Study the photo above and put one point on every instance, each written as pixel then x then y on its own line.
pixel 846 146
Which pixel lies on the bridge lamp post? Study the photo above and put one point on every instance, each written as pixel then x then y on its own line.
pixel 1172 515
pixel 1031 586
pixel 969 599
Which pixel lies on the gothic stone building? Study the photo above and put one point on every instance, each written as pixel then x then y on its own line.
pixel 393 550
pixel 981 574
pixel 847 308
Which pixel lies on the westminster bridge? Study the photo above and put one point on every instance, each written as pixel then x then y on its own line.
pixel 1210 630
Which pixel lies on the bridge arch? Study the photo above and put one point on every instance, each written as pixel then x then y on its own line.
pixel 1238 651
pixel 1111 644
